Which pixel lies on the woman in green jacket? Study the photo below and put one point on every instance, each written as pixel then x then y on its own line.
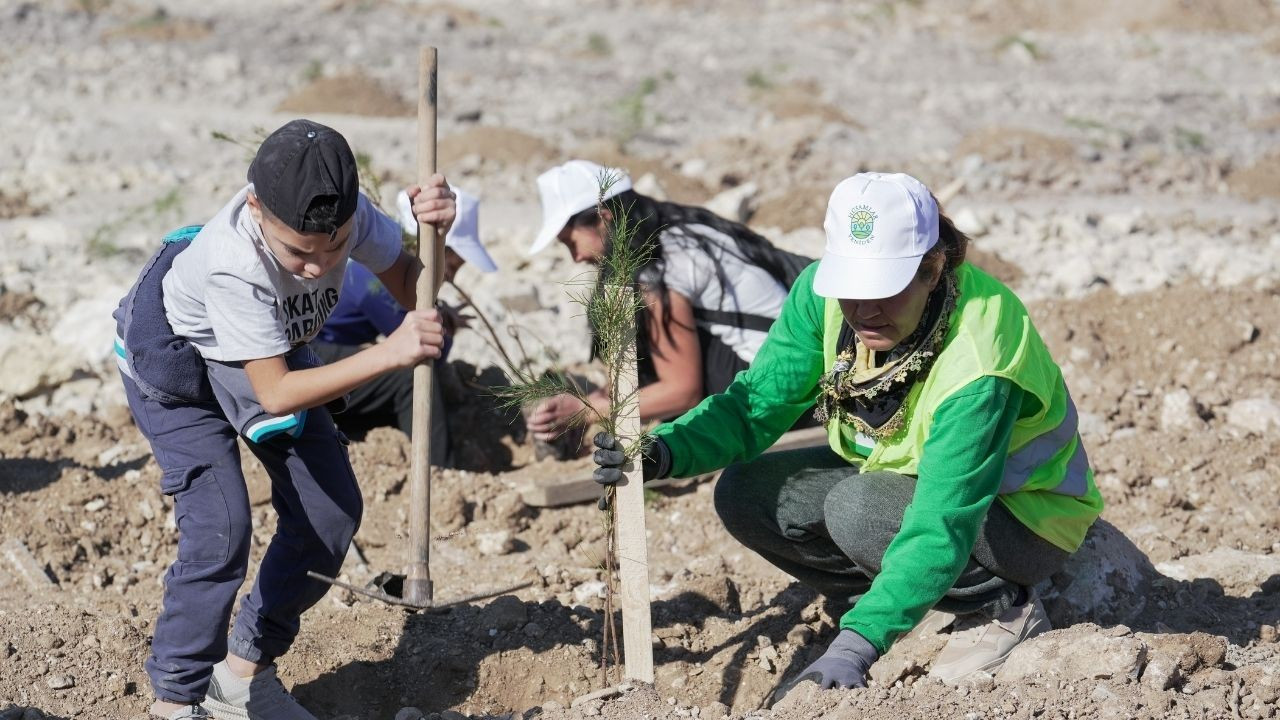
pixel 955 477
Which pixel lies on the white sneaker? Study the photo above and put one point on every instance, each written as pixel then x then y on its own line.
pixel 261 697
pixel 981 645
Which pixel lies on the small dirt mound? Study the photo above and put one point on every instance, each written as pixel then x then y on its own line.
pixel 498 145
pixel 1259 181
pixel 16 204
pixel 800 207
pixel 354 94
pixel 1074 16
pixel 998 144
pixel 803 99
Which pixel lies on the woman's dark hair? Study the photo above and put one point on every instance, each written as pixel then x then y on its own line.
pixel 648 218
pixel 952 246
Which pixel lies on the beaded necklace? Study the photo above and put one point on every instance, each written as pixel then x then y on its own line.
pixel 873 397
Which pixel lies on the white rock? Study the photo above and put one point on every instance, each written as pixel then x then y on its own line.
pixel 1236 570
pixel 1076 273
pixel 497 542
pixel 590 590
pixel 693 167
pixel 30 364
pixel 968 222
pixel 1178 412
pixel 1092 425
pixel 648 185
pixel 1123 223
pixel 1255 415
pixel 1075 656
pixel 1105 581
pixel 1161 673
pixel 76 396
pixel 61 682
pixel 86 328
pixel 736 203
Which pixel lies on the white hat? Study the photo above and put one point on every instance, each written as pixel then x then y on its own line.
pixel 568 189
pixel 463 237
pixel 878 227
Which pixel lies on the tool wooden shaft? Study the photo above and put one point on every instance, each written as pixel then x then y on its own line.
pixel 417 587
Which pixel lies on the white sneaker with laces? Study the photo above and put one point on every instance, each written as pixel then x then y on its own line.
pixel 261 697
pixel 981 645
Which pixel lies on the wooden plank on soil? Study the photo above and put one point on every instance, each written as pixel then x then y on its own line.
pixel 584 489
pixel 26 566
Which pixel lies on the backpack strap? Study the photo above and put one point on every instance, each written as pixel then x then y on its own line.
pixel 745 321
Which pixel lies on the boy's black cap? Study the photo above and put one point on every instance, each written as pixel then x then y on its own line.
pixel 299 162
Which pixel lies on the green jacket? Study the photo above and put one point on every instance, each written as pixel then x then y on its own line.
pixel 967 425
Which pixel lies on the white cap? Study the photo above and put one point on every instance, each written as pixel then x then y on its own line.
pixel 463 237
pixel 878 227
pixel 568 189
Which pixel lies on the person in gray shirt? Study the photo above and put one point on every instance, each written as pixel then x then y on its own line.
pixel 211 345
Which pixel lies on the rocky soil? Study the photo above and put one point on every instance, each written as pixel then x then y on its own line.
pixel 1118 164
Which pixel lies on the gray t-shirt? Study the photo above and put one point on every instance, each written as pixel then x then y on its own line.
pixel 230 297
pixel 720 280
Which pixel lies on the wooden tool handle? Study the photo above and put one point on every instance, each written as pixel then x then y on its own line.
pixel 417 586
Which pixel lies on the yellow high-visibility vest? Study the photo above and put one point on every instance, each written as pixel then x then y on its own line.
pixel 1047 484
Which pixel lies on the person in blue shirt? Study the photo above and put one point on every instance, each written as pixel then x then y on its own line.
pixel 366 311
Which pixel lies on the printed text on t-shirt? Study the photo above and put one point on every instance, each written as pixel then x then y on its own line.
pixel 305 312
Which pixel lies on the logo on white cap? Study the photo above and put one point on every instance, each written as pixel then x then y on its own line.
pixel 862 222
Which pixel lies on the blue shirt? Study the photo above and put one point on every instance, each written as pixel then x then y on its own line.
pixel 364 311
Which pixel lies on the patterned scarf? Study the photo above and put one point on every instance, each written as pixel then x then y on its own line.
pixel 872 397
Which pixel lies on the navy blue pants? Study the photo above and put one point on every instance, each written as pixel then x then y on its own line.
pixel 318 506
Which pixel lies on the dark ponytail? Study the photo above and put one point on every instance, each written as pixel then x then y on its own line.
pixel 951 249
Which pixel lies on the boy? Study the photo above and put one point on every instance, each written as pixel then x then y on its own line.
pixel 211 345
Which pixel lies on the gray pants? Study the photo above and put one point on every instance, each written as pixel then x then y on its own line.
pixel 819 520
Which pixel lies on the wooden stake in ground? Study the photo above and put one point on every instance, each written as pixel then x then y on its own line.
pixel 633 551
pixel 417 585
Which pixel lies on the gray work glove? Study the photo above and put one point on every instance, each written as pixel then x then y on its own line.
pixel 844 665
pixel 654 464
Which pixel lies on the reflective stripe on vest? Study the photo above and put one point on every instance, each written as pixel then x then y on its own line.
pixel 1019 466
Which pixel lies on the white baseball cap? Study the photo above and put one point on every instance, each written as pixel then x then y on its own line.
pixel 568 189
pixel 878 227
pixel 464 236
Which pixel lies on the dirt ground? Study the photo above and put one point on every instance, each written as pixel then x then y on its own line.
pixel 1115 165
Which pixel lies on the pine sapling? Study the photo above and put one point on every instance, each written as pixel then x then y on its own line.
pixel 611 306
